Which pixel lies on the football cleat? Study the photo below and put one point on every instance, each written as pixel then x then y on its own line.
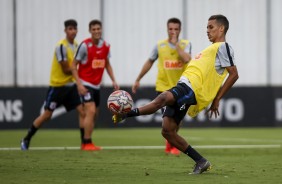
pixel 202 166
pixel 90 147
pixel 167 147
pixel 24 144
pixel 117 118
pixel 82 146
pixel 175 151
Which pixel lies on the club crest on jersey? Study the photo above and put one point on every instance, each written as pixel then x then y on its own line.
pixel 87 96
pixel 182 44
pixel 182 107
pixel 53 105
pixel 162 45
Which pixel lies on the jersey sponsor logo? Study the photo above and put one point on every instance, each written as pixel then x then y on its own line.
pixel 89 44
pixel 98 63
pixel 172 65
pixel 198 56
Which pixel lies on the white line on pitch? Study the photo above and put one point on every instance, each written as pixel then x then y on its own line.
pixel 270 141
pixel 153 147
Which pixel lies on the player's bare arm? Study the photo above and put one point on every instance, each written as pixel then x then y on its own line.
pixel 146 67
pixel 231 79
pixel 66 68
pixel 81 89
pixel 111 74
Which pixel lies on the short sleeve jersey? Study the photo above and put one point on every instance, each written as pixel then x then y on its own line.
pixel 82 54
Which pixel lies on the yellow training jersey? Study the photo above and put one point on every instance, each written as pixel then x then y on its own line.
pixel 57 76
pixel 170 67
pixel 204 78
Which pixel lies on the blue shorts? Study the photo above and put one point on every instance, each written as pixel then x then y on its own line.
pixel 184 97
pixel 66 95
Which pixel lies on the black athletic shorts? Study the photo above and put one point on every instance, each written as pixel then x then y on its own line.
pixel 66 95
pixel 93 95
pixel 184 97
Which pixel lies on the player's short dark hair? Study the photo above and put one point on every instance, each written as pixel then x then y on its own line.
pixel 174 20
pixel 221 19
pixel 70 22
pixel 94 22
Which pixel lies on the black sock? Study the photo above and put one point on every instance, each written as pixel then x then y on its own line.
pixel 193 154
pixel 86 141
pixel 133 113
pixel 32 130
pixel 81 134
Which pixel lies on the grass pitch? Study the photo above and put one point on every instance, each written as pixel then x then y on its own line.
pixel 57 159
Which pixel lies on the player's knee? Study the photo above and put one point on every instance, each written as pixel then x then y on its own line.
pixel 90 109
pixel 166 133
pixel 90 112
pixel 157 105
pixel 81 111
pixel 160 101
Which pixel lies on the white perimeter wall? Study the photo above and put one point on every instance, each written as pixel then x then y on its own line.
pixel 133 27
pixel 6 48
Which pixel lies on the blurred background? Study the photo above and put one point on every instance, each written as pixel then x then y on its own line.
pixel 31 28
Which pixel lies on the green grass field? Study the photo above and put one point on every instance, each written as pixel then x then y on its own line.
pixel 58 159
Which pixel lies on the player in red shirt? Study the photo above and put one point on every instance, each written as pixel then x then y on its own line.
pixel 91 59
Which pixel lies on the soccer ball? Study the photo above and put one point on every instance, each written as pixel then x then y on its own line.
pixel 120 102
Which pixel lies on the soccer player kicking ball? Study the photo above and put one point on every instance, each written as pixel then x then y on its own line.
pixel 201 83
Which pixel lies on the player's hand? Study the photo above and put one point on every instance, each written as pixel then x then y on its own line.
pixel 116 86
pixel 213 109
pixel 82 90
pixel 117 118
pixel 135 86
pixel 173 40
